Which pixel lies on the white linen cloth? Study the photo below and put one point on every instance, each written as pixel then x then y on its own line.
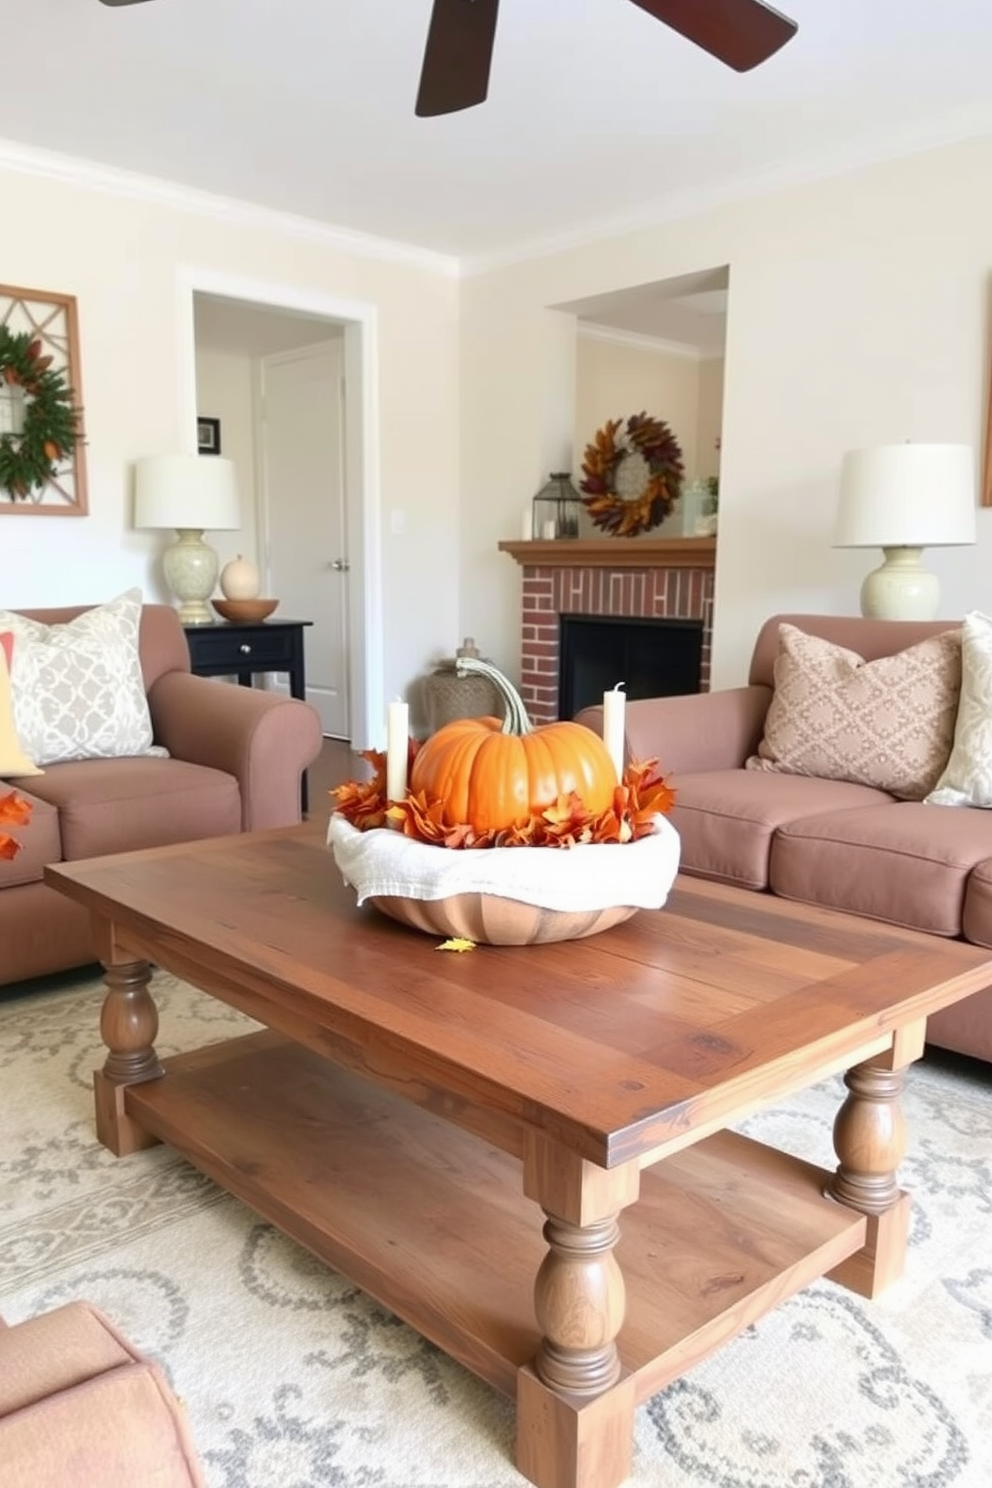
pixel 587 877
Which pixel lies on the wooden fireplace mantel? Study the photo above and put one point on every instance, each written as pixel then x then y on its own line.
pixel 615 552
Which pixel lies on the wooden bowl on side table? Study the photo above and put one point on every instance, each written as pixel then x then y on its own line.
pixel 245 611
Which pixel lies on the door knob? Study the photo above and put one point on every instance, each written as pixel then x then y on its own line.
pixel 340 565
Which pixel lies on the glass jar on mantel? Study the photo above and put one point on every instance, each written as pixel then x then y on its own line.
pixel 556 508
pixel 697 509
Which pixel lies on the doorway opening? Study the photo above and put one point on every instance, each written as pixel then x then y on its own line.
pixel 238 324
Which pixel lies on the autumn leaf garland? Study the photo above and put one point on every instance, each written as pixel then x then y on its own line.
pixel 637 800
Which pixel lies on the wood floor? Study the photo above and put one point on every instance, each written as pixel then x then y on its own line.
pixel 335 764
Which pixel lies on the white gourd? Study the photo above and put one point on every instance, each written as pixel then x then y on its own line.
pixel 239 579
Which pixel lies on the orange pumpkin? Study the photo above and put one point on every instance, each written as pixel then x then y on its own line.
pixel 494 774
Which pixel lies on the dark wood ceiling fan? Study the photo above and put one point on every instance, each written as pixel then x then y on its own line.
pixel 459 51
pixel 455 75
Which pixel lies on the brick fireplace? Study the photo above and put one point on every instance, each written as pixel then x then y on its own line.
pixel 639 577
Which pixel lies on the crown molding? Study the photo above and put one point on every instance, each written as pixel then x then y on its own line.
pixel 591 330
pixel 92 176
pixel 971 122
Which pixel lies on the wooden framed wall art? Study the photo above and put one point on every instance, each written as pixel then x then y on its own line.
pixel 987 452
pixel 42 460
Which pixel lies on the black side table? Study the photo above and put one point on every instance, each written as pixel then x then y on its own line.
pixel 226 649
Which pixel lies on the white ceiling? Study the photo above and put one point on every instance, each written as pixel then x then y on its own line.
pixel 598 116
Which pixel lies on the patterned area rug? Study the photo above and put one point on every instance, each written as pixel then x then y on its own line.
pixel 293 1379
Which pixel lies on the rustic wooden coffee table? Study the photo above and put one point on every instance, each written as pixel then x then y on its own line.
pixel 408 1114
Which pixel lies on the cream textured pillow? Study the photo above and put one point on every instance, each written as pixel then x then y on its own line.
pixel 887 723
pixel 13 760
pixel 967 779
pixel 77 688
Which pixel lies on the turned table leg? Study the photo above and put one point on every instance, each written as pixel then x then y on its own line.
pixel 575 1404
pixel 870 1143
pixel 128 1026
pixel 579 1301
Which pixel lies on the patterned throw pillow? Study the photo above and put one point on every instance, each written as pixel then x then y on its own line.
pixel 77 688
pixel 887 723
pixel 967 780
pixel 13 760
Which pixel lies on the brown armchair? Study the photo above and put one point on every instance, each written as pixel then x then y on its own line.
pixel 235 761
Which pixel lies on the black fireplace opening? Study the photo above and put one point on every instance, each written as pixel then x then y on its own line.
pixel 651 657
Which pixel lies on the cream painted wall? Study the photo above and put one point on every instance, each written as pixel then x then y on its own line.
pixel 224 385
pixel 122 257
pixel 709 429
pixel 857 315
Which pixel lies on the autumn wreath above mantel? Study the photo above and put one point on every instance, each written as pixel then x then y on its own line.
pixel 633 475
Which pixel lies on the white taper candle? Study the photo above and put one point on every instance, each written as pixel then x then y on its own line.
pixel 397 749
pixel 614 710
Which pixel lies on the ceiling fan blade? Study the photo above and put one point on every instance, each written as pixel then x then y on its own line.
pixel 742 33
pixel 457 57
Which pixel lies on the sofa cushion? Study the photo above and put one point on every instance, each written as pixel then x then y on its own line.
pixel 907 863
pixel 40 840
pixel 726 818
pixel 887 723
pixel 13 759
pixel 110 806
pixel 967 776
pixel 77 688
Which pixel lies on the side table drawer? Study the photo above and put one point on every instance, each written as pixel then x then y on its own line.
pixel 242 646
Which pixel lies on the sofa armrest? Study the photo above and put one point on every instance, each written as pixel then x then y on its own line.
pixel 262 738
pixel 79 1405
pixel 694 731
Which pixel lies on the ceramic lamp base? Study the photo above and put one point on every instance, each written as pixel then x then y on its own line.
pixel 190 568
pixel 901 588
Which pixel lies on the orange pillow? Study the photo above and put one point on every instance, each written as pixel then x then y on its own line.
pixel 13 760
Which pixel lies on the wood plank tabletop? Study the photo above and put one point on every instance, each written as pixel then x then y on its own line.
pixel 618 1045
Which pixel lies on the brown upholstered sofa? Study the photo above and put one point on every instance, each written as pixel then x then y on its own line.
pixel 829 842
pixel 235 761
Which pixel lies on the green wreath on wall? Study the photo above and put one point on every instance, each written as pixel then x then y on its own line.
pixel 30 459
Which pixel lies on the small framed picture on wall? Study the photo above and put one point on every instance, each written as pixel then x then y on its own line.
pixel 208 436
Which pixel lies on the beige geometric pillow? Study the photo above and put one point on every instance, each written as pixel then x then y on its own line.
pixel 76 688
pixel 887 723
pixel 967 779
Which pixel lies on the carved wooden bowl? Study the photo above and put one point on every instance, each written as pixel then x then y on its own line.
pixel 491 920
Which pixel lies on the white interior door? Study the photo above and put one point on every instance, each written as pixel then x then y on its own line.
pixel 304 517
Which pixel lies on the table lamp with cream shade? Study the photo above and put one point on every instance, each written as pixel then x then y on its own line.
pixel 193 494
pixel 903 498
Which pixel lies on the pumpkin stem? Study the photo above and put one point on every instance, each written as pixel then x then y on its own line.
pixel 515 720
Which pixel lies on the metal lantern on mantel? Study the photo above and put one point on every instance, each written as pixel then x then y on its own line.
pixel 556 507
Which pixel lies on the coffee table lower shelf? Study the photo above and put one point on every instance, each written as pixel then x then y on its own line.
pixel 431 1221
